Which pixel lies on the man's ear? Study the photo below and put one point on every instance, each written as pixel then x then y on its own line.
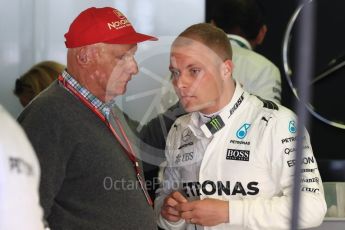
pixel 85 55
pixel 227 68
pixel 261 35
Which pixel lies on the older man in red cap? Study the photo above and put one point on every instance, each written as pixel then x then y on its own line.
pixel 91 178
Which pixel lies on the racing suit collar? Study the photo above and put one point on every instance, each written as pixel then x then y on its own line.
pixel 198 119
pixel 194 125
pixel 219 121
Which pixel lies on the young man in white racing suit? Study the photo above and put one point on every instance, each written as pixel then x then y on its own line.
pixel 230 161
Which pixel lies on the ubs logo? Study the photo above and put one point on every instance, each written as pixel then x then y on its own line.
pixel 183 157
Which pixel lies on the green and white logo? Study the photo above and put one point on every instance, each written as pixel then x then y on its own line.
pixel 215 123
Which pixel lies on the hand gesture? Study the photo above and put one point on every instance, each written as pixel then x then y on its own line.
pixel 207 212
pixel 168 210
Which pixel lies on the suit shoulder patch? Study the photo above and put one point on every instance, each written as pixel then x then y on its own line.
pixel 268 104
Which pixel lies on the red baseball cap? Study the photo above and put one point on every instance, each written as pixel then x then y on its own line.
pixel 102 25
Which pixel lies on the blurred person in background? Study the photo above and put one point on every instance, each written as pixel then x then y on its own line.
pixel 244 23
pixel 36 79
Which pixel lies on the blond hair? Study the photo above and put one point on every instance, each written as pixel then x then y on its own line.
pixel 38 77
pixel 209 35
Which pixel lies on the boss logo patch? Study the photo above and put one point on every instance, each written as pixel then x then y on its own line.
pixel 237 155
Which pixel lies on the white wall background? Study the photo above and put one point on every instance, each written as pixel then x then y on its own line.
pixel 33 30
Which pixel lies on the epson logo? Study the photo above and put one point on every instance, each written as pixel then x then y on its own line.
pixel 305 160
pixel 237 155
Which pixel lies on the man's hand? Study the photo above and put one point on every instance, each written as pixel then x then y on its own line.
pixel 168 210
pixel 207 212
